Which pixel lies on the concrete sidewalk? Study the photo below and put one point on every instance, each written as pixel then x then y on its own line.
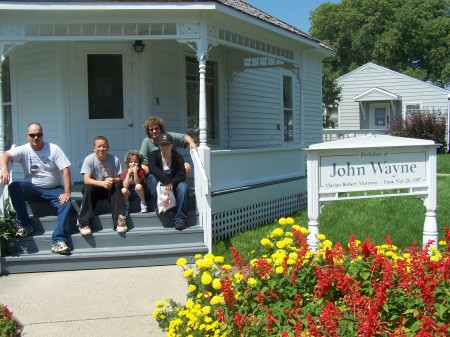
pixel 91 303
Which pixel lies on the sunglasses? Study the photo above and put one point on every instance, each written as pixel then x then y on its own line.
pixel 32 135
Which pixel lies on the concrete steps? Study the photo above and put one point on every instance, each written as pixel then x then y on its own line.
pixel 151 240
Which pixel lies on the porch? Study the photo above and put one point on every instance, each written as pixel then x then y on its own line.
pixel 217 211
pixel 337 134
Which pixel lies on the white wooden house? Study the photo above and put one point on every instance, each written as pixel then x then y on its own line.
pixel 246 84
pixel 372 96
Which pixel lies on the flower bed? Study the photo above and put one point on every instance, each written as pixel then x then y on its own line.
pixel 365 290
pixel 8 326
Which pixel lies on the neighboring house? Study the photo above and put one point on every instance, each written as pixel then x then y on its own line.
pixel 247 85
pixel 372 96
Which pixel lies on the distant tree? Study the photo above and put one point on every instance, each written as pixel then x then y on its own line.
pixel 408 36
pixel 330 94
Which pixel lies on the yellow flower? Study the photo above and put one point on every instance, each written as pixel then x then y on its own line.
pixel 160 304
pixel 198 256
pixel 192 288
pixel 281 244
pixel 435 258
pixel 189 304
pixel 181 262
pixel 238 277
pixel 327 244
pixel 266 243
pixel 282 221
pixel 157 314
pixel 216 284
pixel 188 273
pixel 251 281
pixel 320 237
pixel 279 270
pixel 206 310
pixel 226 267
pixel 206 278
pixel 277 232
pixel 289 221
pixel 442 243
pixel 217 300
pixel 219 259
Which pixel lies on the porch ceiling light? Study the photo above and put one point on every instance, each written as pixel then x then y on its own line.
pixel 138 46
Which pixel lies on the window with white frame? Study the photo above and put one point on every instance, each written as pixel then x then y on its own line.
pixel 288 115
pixel 412 107
pixel 192 99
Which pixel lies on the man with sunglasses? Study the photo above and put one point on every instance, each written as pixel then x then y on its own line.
pixel 44 165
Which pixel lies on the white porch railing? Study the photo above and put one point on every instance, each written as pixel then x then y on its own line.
pixel 203 198
pixel 336 134
pixel 232 169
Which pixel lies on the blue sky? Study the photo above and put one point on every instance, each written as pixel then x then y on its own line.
pixel 294 12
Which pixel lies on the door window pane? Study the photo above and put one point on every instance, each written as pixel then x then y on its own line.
pixel 380 116
pixel 105 86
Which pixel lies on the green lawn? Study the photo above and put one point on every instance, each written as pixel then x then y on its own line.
pixel 401 218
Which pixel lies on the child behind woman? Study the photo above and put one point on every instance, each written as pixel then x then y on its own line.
pixel 134 179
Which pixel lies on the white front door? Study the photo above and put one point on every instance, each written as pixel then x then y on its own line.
pixel 379 116
pixel 101 101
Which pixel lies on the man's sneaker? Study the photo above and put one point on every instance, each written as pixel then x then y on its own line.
pixel 24 231
pixel 143 208
pixel 179 226
pixel 60 248
pixel 85 230
pixel 121 224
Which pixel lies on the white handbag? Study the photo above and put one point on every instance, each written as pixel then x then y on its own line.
pixel 165 199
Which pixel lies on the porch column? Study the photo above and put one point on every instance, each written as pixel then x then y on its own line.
pixel 202 103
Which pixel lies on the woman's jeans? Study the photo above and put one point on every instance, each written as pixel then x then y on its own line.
pixel 181 195
pixel 20 192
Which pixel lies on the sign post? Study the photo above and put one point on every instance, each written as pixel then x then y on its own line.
pixel 375 164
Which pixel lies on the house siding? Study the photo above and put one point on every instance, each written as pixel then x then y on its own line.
pixel 409 90
pixel 312 96
pixel 255 108
pixel 36 94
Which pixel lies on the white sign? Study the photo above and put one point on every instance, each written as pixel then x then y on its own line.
pixel 367 170
pixel 372 163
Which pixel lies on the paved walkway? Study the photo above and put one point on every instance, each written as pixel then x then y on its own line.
pixel 91 303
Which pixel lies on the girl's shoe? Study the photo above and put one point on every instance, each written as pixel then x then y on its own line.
pixel 122 224
pixel 143 208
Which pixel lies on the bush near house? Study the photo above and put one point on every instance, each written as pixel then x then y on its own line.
pixel 422 124
pixel 289 291
pixel 7 230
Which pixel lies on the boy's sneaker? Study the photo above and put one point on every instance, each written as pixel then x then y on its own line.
pixel 85 230
pixel 143 208
pixel 60 248
pixel 121 224
pixel 23 231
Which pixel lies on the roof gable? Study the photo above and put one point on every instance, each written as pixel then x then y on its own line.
pixel 376 94
pixel 389 72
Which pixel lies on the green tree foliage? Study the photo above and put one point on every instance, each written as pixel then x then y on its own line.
pixel 408 36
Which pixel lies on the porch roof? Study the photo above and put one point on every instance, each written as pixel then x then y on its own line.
pixel 237 5
pixel 376 94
